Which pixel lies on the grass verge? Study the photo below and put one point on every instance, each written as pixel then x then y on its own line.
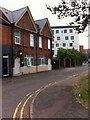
pixel 81 91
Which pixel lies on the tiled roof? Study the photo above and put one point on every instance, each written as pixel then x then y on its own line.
pixel 41 22
pixel 12 16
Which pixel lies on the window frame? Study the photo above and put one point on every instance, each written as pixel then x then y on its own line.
pixel 31 40
pixel 42 60
pixel 29 61
pixel 58 37
pixel 64 44
pixel 71 45
pixel 57 31
pixel 49 45
pixel 71 37
pixel 70 30
pixel 17 37
pixel 66 37
pixel 40 42
pixel 65 30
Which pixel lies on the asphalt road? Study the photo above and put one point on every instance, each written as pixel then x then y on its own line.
pixel 17 91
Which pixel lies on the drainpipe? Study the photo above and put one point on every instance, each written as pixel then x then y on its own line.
pixel 37 51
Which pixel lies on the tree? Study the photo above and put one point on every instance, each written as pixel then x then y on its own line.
pixel 71 54
pixel 78 9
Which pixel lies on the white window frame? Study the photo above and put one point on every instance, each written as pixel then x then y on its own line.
pixel 49 44
pixel 28 60
pixel 71 37
pixel 17 36
pixel 42 60
pixel 70 30
pixel 66 37
pixel 31 40
pixel 40 42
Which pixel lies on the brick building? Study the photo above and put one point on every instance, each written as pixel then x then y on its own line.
pixel 26 44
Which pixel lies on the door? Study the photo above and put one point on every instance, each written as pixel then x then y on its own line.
pixel 5 66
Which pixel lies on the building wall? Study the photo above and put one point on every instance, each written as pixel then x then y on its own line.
pixel 6 35
pixel 5 43
pixel 62 40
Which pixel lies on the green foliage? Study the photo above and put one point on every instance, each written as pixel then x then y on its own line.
pixel 72 54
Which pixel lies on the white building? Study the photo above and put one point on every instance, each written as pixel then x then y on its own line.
pixel 65 37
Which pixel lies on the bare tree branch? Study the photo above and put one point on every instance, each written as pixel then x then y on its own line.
pixel 78 9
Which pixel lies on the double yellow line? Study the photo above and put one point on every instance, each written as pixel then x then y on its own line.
pixel 25 102
pixel 22 109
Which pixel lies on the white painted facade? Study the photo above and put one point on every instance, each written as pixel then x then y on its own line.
pixel 65 37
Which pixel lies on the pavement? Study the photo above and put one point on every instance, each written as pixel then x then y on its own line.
pixel 58 101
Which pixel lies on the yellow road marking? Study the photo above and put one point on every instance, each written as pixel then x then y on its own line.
pixel 21 113
pixel 15 113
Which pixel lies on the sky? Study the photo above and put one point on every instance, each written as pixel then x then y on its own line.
pixel 39 11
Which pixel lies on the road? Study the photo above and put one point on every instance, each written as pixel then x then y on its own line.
pixel 18 92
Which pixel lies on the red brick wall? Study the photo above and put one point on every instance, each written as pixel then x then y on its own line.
pixel 6 35
pixel 46 30
pixel 25 22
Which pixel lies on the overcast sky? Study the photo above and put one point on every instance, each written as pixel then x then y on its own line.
pixel 39 11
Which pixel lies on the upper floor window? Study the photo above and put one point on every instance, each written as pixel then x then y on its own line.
pixel 71 30
pixel 57 31
pixel 17 37
pixel 66 38
pixel 58 38
pixel 40 42
pixel 52 31
pixel 48 43
pixel 72 37
pixel 28 60
pixel 31 40
pixel 65 31
pixel 52 45
pixel 61 31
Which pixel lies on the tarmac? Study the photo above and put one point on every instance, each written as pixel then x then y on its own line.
pixel 59 101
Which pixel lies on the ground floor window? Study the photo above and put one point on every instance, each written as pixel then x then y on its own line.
pixel 42 60
pixel 28 60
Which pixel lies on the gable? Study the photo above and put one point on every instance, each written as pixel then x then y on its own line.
pixel 26 23
pixel 3 16
pixel 46 30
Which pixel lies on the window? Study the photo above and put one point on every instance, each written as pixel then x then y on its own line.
pixel 57 31
pixel 40 42
pixel 65 31
pixel 71 30
pixel 64 44
pixel 72 37
pixel 71 44
pixel 58 38
pixel 42 60
pixel 48 43
pixel 28 60
pixel 57 44
pixel 31 40
pixel 52 31
pixel 61 31
pixel 66 38
pixel 52 45
pixel 17 37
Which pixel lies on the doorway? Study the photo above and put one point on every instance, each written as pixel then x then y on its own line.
pixel 5 66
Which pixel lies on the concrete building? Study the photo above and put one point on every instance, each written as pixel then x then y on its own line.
pixel 65 37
